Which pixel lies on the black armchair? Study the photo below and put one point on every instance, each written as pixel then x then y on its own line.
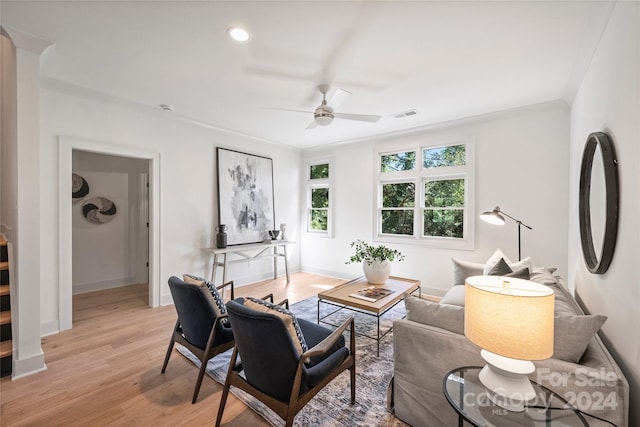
pixel 282 369
pixel 200 327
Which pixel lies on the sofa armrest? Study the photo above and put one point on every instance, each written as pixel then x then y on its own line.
pixel 600 392
pixel 423 354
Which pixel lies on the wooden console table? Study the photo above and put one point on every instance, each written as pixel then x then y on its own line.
pixel 248 253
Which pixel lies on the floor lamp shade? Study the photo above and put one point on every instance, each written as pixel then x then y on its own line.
pixel 512 321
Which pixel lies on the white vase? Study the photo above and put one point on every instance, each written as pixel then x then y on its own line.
pixel 377 272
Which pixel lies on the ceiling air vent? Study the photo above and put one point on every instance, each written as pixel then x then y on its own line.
pixel 405 114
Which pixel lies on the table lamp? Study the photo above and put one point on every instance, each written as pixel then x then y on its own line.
pixel 496 217
pixel 512 321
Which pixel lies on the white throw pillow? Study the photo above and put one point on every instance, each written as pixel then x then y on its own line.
pixel 515 266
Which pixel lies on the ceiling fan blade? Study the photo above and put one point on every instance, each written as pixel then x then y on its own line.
pixel 289 109
pixel 312 125
pixel 279 73
pixel 359 117
pixel 339 96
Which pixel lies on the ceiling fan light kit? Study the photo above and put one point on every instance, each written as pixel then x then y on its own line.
pixel 323 117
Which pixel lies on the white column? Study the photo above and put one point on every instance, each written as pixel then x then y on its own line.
pixel 28 354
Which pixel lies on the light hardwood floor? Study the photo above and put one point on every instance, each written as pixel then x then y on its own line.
pixel 106 369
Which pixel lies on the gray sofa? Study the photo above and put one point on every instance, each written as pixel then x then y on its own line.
pixel 430 342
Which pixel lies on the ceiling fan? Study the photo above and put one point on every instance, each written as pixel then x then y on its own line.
pixel 324 113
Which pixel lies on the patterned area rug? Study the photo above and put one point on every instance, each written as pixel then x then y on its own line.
pixel 331 407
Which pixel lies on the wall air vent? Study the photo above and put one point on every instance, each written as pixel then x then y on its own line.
pixel 405 114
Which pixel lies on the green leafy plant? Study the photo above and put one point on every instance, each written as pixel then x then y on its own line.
pixel 368 253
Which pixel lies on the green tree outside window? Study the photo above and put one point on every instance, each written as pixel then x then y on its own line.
pixel 319 209
pixel 320 171
pixel 444 208
pixel 398 162
pixel 453 155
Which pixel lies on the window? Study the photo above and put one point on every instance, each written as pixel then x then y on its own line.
pixel 318 198
pixel 398 202
pixel 443 212
pixel 424 195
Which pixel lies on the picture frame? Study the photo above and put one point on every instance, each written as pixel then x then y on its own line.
pixel 245 196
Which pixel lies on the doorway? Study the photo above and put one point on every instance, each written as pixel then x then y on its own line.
pixel 67 146
pixel 110 221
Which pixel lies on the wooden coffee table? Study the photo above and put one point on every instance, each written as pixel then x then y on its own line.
pixel 339 297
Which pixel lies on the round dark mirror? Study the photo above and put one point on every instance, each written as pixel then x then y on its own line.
pixel 598 202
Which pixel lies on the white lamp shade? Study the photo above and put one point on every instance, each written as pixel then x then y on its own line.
pixel 514 321
pixel 493 217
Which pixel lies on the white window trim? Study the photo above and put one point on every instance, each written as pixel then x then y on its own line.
pixel 319 183
pixel 419 176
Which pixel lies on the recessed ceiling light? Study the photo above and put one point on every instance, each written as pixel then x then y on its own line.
pixel 238 34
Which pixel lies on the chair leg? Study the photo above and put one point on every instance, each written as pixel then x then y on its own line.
pixel 203 368
pixel 203 363
pixel 352 373
pixel 227 386
pixel 223 402
pixel 166 358
pixel 291 414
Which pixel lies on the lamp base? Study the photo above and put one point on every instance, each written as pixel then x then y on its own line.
pixel 507 382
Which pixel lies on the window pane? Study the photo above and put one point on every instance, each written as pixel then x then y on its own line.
pixel 444 223
pixel 453 155
pixel 444 193
pixel 319 171
pixel 318 219
pixel 397 222
pixel 398 195
pixel 398 162
pixel 319 197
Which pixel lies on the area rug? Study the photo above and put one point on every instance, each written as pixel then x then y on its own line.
pixel 331 407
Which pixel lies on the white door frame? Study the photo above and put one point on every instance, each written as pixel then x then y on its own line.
pixel 66 145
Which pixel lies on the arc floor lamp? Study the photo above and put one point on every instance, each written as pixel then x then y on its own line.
pixel 496 217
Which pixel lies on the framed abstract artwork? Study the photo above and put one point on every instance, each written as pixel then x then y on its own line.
pixel 245 196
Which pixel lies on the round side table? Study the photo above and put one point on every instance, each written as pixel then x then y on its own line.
pixel 471 400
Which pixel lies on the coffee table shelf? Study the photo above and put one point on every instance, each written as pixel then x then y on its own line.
pixel 340 297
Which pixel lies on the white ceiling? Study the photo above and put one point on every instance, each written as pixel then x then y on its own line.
pixel 447 59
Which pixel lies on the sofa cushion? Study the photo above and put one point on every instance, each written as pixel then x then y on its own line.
pixel 454 296
pixel 503 269
pixel 572 334
pixel 444 316
pixel 544 276
pixel 495 258
pixel 464 269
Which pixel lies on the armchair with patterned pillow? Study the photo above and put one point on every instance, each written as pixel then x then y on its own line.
pixel 202 325
pixel 283 361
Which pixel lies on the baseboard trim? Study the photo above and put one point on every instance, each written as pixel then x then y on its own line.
pixel 433 291
pixel 29 366
pixel 49 328
pixel 328 273
pixel 100 286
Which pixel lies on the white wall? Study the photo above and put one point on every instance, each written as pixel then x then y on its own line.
pixel 101 251
pixel 188 192
pixel 608 100
pixel 520 164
